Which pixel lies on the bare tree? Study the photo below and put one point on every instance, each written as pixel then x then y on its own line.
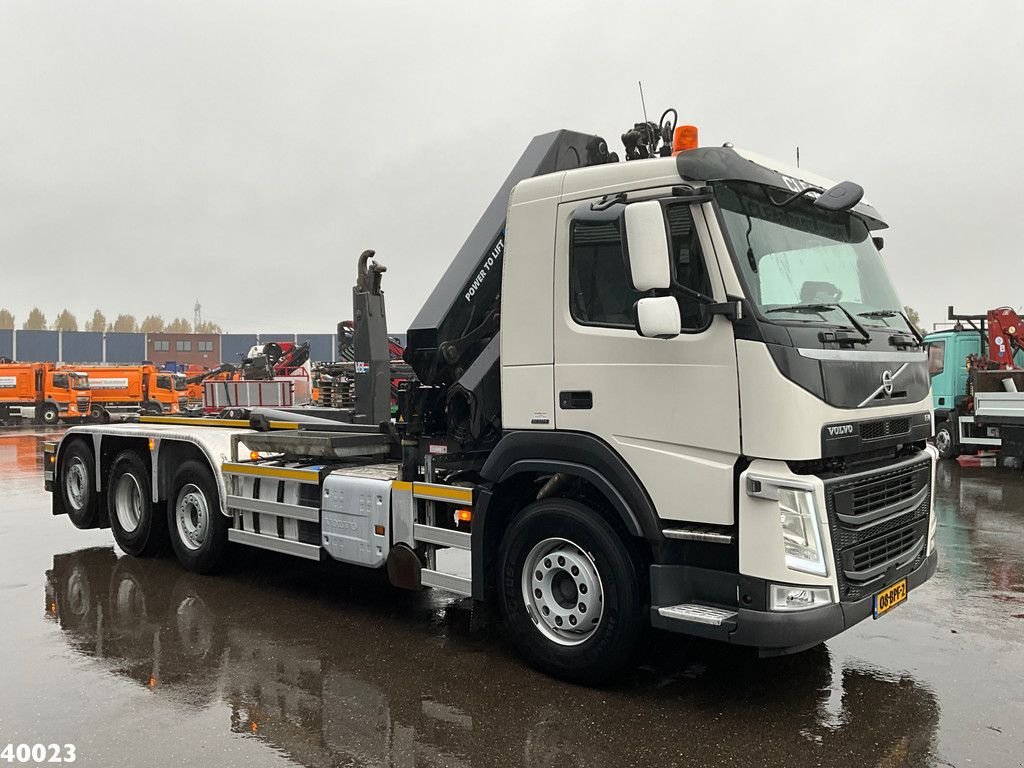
pixel 36 321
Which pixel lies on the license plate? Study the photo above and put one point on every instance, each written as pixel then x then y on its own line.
pixel 890 597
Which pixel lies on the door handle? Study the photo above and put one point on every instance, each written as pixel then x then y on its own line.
pixel 578 400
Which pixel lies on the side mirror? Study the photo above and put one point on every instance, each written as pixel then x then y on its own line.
pixel 842 197
pixel 879 242
pixel 658 317
pixel 647 246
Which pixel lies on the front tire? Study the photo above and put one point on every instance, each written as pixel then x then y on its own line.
pixel 570 591
pixel 945 442
pixel 199 531
pixel 77 487
pixel 138 528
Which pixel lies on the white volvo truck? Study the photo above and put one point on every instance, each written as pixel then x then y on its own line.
pixel 675 391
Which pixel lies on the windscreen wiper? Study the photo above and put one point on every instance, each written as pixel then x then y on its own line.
pixel 898 340
pixel 879 313
pixel 821 307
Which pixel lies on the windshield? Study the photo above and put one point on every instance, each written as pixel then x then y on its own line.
pixel 798 259
pixel 79 381
pixel 179 383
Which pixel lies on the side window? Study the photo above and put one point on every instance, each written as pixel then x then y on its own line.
pixel 936 357
pixel 601 292
pixel 59 381
pixel 690 268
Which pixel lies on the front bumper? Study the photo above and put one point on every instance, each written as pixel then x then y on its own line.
pixel 781 632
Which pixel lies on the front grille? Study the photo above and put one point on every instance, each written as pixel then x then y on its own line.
pixel 182 402
pixel 870 500
pixel 876 430
pixel 868 561
pixel 879 524
pixel 83 404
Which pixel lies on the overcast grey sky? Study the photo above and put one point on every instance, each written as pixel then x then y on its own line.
pixel 244 152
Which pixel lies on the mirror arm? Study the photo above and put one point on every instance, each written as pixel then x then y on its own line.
pixel 792 197
pixel 731 309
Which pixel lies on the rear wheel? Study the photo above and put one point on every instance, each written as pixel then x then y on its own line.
pixel 945 442
pixel 77 487
pixel 98 415
pixel 137 526
pixel 199 531
pixel 152 408
pixel 570 591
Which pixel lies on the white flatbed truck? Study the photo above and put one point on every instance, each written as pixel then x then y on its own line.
pixel 672 392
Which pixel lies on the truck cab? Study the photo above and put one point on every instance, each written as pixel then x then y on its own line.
pixel 947 365
pixel 742 363
pixel 167 389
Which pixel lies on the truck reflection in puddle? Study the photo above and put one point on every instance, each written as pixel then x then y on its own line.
pixel 371 685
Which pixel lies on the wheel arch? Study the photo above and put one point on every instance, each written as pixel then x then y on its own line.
pixel 511 475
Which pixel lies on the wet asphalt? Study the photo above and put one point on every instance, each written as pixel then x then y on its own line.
pixel 280 663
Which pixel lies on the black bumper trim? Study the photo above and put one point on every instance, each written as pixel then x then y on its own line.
pixel 777 633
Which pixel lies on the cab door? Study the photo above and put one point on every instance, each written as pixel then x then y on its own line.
pixel 668 407
pixel 942 375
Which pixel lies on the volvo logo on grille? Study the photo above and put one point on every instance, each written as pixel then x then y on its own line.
pixel 840 429
pixel 887 378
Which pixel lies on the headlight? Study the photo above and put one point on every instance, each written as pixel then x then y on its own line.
pixel 787 598
pixel 800 533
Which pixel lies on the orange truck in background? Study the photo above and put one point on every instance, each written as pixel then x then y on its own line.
pixel 134 389
pixel 54 394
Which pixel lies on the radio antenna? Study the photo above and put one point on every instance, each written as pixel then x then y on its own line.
pixel 651 141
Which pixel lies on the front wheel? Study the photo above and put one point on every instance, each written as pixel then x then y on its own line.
pixel 199 531
pixel 944 441
pixel 570 591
